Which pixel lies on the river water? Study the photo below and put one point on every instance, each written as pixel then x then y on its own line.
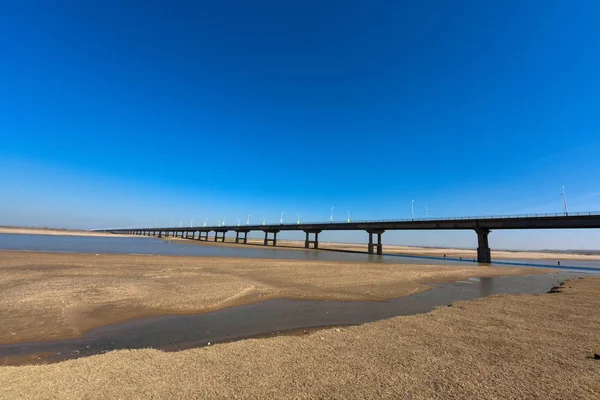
pixel 147 245
pixel 176 332
pixel 179 332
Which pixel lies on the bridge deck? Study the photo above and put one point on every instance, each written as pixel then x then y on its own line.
pixel 482 225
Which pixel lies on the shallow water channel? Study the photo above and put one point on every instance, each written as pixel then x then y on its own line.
pixel 178 332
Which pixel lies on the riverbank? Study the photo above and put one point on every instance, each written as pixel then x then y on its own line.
pixel 510 346
pixel 47 296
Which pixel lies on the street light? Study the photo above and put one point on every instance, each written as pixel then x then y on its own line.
pixel 413 210
pixel 281 218
pixel 248 220
pixel 331 214
pixel 348 216
pixel 426 212
pixel 564 199
pixel 205 222
pixel 224 218
pixel 298 218
pixel 264 221
pixel 191 223
pixel 238 221
pixel 218 222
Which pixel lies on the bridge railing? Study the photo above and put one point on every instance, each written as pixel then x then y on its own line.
pixel 511 216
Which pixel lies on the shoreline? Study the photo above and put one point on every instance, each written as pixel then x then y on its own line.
pixel 269 319
pixel 55 232
pixel 481 348
pixel 53 296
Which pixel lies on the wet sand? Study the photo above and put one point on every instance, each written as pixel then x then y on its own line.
pixel 508 347
pixel 49 296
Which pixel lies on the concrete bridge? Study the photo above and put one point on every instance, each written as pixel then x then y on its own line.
pixel 375 229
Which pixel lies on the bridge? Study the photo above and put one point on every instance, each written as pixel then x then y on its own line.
pixel 375 229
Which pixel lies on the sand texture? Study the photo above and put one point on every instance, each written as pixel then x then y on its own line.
pixel 47 296
pixel 500 347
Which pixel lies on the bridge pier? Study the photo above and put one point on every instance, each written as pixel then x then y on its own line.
pixel 203 237
pixel 379 245
pixel 274 240
pixel 238 238
pixel 222 237
pixel 315 242
pixel 483 247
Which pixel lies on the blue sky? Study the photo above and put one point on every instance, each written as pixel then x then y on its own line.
pixel 141 112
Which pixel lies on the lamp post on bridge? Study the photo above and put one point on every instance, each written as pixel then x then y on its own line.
pixel 205 222
pixel 331 214
pixel 248 220
pixel 413 211
pixel 264 220
pixel 281 218
pixel 426 212
pixel 238 221
pixel 298 218
pixel 348 216
pixel 564 201
pixel 224 218
pixel 191 223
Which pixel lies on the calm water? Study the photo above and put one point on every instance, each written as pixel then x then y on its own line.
pixel 147 245
pixel 178 332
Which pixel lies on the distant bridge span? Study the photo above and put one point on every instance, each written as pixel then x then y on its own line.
pixel 481 225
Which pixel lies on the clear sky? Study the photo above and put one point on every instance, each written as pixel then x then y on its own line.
pixel 119 113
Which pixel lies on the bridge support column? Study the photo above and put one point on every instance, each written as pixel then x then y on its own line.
pixel 222 237
pixel 315 242
pixel 483 247
pixel 203 237
pixel 372 245
pixel 274 240
pixel 238 238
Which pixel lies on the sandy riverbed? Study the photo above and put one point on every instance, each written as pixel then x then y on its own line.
pixel 62 295
pixel 501 347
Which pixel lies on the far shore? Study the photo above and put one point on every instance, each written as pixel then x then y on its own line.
pixel 53 231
